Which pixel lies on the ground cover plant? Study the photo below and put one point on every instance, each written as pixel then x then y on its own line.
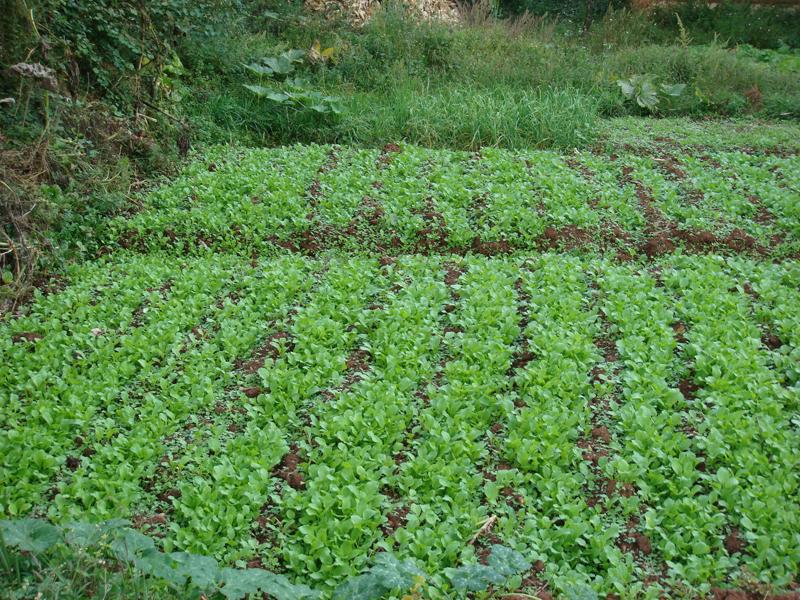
pixel 334 371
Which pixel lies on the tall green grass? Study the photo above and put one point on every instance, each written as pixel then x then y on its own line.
pixel 467 118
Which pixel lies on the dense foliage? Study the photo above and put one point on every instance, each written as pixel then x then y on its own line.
pixel 117 48
pixel 438 369
pixel 525 350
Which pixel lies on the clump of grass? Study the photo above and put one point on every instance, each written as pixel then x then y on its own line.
pixel 467 118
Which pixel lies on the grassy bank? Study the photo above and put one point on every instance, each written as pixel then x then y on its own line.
pixel 514 83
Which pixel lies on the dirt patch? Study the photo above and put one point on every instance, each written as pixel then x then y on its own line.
pixel 634 542
pixel 288 469
pixel 763 215
pixel 747 287
pixel 613 236
pixel 365 228
pixel 27 336
pixel 149 523
pixel 395 520
pixel 734 543
pixel 658 245
pixel 452 273
pixel 371 210
pixel 672 167
pixel 700 238
pixel 522 354
pixel 522 358
pixel 679 329
pixel 265 525
pixel 602 434
pixel 496 248
pixel 567 237
pixel 533 584
pixel 596 446
pixel 357 364
pixel 331 162
pixel 664 234
pixel 270 349
pixel 740 241
pixel 314 191
pixel 688 388
pixel 168 495
pixel 387 155
pixel 576 165
pixel 771 341
pixel 608 348
pixel 252 392
pixel 433 237
pixel 285 244
pixel 513 499
pixel 357 361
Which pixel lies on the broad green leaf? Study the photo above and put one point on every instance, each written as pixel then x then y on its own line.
pixel 675 89
pixel 580 592
pixel 503 562
pixel 30 535
pixel 296 55
pixel 626 87
pixel 475 578
pixel 157 564
pixel 280 65
pixel 259 90
pixel 87 535
pixel 129 545
pixel 238 583
pixel 387 574
pixel 203 571
pixel 507 560
pixel 277 96
pixel 647 96
pixel 259 69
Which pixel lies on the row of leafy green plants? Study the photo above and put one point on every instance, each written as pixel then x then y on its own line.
pixel 681 435
pixel 463 414
pixel 370 200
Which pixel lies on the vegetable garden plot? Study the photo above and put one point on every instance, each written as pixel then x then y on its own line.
pixel 346 376
pixel 311 199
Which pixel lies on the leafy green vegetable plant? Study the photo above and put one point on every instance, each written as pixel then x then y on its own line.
pixel 292 92
pixel 646 93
